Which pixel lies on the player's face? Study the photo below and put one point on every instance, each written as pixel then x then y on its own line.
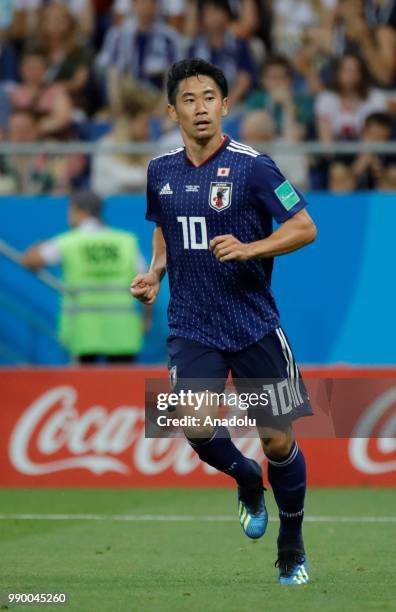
pixel 199 108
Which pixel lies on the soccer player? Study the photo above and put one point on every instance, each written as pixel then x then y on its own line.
pixel 213 202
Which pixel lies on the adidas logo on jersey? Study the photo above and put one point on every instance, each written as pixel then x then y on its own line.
pixel 166 190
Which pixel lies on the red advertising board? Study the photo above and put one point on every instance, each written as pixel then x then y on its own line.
pixel 85 428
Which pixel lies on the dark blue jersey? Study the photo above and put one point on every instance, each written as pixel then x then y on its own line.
pixel 236 191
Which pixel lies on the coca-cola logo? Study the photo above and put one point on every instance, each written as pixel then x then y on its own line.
pixel 98 440
pixel 54 435
pixel 64 428
pixel 374 437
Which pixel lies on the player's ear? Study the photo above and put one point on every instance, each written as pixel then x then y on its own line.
pixel 172 113
pixel 224 109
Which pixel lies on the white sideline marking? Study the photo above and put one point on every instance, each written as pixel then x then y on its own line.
pixel 184 518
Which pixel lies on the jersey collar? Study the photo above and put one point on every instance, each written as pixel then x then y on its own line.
pixel 224 143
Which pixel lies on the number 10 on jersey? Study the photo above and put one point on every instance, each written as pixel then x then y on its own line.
pixel 192 227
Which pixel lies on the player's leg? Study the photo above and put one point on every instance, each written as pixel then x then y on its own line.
pixel 287 477
pixel 271 362
pixel 197 367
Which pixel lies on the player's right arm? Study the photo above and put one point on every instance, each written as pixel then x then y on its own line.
pixel 145 287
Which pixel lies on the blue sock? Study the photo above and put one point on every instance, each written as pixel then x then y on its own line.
pixel 220 452
pixel 288 480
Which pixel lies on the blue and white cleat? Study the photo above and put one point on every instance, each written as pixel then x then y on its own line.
pixel 293 568
pixel 253 514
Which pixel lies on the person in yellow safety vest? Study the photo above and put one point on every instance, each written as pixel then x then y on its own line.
pixel 98 318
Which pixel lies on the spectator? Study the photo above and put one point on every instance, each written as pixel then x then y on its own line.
pixel 341 179
pixel 25 19
pixel 254 21
pixel 247 17
pixel 120 12
pixel 69 63
pixel 218 45
pixel 292 20
pixel 142 50
pixel 259 127
pixel 388 179
pixel 374 170
pixel 109 49
pixel 8 55
pixel 250 18
pixel 381 13
pixel 23 173
pixel 309 26
pixel 4 111
pixel 172 11
pixel 98 317
pixel 6 15
pixel 102 10
pixel 364 27
pixel 8 72
pixel 341 112
pixel 376 44
pixel 27 15
pixel 50 103
pixel 8 62
pixel 83 13
pixel 123 172
pixel 290 112
pixel 36 174
pixel 19 173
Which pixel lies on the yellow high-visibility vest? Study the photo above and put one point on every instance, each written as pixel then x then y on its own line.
pixel 98 313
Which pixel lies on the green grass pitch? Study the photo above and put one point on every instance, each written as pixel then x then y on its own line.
pixel 195 565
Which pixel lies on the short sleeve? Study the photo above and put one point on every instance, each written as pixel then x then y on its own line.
pixel 153 207
pixel 272 192
pixel 50 251
pixel 376 101
pixel 326 104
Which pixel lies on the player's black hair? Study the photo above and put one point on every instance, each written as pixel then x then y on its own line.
pixel 193 67
pixel 87 201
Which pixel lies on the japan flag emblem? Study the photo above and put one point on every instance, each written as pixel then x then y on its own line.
pixel 223 171
pixel 220 196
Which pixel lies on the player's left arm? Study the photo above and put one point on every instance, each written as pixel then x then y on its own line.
pixel 293 234
pixel 271 193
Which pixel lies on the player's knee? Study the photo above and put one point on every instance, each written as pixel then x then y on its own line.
pixel 277 446
pixel 199 432
pixel 199 428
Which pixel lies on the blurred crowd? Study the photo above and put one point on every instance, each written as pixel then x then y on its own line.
pixel 94 70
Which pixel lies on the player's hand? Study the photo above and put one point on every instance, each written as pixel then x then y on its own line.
pixel 229 248
pixel 145 287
